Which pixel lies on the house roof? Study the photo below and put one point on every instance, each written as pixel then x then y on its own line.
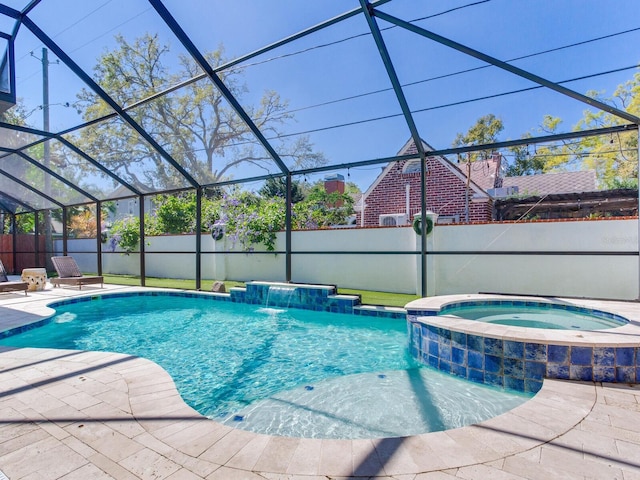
pixel 551 183
pixel 484 173
pixel 410 148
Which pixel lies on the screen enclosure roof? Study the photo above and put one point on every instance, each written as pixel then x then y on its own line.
pixel 121 98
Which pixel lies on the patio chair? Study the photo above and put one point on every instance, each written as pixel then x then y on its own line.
pixel 70 274
pixel 10 286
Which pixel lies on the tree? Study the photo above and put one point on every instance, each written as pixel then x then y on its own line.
pixel 277 187
pixel 531 160
pixel 321 209
pixel 82 223
pixel 484 131
pixel 614 157
pixel 524 162
pixel 176 213
pixel 194 124
pixel 25 223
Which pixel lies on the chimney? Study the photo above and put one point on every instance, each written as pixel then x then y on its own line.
pixel 334 183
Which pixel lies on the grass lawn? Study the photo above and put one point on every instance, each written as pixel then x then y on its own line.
pixel 387 299
pixel 368 298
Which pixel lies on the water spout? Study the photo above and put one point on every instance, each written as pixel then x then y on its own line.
pixel 279 296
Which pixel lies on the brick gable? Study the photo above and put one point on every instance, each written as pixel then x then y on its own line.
pixel 445 194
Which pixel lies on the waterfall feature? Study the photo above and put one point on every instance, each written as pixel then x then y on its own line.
pixel 279 296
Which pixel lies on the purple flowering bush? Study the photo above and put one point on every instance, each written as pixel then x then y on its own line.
pixel 245 218
pixel 248 220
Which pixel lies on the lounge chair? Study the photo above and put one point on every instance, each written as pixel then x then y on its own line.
pixel 70 274
pixel 9 286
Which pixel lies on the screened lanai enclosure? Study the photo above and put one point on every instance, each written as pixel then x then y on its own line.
pixel 286 140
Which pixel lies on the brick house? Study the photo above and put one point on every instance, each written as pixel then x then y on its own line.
pixel 457 192
pixel 394 197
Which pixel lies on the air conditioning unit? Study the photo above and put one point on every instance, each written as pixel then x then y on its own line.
pixel 393 220
pixel 503 192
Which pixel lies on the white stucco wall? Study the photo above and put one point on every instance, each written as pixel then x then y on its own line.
pixel 615 277
pixel 368 272
pixel 570 275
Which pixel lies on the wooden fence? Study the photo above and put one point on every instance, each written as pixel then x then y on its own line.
pixel 25 252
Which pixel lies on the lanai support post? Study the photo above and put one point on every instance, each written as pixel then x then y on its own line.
pixel 99 236
pixel 369 12
pixel 65 231
pixel 423 226
pixel 14 238
pixel 287 223
pixel 36 239
pixel 142 242
pixel 199 238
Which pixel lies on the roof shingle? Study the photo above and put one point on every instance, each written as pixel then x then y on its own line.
pixel 550 183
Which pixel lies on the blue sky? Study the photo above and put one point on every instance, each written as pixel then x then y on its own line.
pixel 317 70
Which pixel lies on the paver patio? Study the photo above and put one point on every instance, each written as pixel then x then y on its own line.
pixel 83 415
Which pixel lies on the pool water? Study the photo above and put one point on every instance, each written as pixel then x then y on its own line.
pixel 282 372
pixel 542 315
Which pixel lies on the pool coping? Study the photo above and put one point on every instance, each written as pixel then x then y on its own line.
pixel 159 419
pixel 520 358
pixel 425 310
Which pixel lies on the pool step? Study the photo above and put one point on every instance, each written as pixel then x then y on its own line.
pixel 308 297
pixel 339 303
pixel 380 311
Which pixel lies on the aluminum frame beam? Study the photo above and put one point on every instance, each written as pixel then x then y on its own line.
pixel 195 53
pixel 97 89
pixel 368 11
pixel 57 176
pixel 57 136
pixel 19 202
pixel 33 190
pixel 506 66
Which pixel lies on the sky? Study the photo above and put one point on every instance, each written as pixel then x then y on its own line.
pixel 329 78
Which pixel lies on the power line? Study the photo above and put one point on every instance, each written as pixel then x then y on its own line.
pixel 468 70
pixel 315 47
pixel 71 25
pixel 397 115
pixel 452 104
pixel 84 44
pixel 351 37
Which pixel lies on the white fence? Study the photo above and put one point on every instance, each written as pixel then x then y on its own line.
pixel 516 267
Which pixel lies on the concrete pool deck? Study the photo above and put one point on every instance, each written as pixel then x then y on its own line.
pixel 83 415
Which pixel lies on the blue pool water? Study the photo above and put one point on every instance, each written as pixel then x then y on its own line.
pixel 282 372
pixel 532 315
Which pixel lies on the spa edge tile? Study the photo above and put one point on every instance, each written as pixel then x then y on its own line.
pixel 513 349
pixel 475 360
pixel 581 355
pixel 604 356
pixel 534 370
pixel 536 352
pixel 625 356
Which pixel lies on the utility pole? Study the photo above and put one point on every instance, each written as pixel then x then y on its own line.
pixel 466 196
pixel 45 115
pixel 46 154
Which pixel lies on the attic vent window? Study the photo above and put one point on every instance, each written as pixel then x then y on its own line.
pixel 412 166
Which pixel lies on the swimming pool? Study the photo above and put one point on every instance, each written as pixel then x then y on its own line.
pixel 534 315
pixel 281 372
